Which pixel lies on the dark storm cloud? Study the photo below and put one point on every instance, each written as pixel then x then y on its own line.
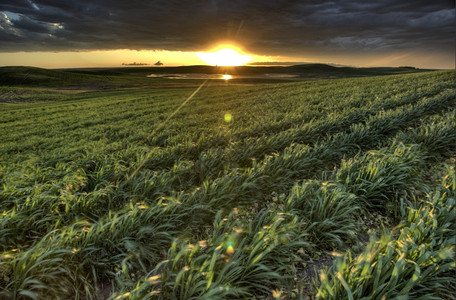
pixel 264 27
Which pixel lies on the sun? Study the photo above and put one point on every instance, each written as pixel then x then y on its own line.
pixel 224 56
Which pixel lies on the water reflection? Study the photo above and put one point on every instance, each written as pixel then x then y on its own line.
pixel 222 76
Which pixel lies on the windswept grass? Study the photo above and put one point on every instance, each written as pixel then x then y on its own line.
pixel 417 261
pixel 102 195
pixel 242 258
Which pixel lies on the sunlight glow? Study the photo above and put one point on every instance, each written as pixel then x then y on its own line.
pixel 227 56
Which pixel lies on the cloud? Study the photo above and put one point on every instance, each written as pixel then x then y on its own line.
pixel 264 27
pixel 135 64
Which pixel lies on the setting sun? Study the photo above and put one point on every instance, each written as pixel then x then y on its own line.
pixel 224 57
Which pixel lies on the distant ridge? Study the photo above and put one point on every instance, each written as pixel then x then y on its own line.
pixel 293 69
pixel 23 75
pixel 99 77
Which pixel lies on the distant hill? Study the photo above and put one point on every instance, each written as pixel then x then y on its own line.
pixel 99 78
pixel 304 70
pixel 37 76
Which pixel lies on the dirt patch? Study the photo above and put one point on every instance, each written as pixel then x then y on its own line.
pixel 309 273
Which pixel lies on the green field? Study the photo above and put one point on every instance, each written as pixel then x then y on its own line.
pixel 124 187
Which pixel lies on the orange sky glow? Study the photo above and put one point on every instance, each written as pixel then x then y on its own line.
pixel 115 58
pixel 112 58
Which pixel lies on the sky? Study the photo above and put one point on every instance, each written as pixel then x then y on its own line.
pixel 94 33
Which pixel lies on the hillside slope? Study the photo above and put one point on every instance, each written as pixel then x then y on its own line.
pixel 233 191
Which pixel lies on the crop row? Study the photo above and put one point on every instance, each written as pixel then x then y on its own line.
pixel 418 261
pixel 102 117
pixel 134 239
pixel 251 257
pixel 218 210
pixel 94 189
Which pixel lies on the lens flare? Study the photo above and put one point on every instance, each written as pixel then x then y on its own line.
pixel 230 248
pixel 227 77
pixel 228 118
